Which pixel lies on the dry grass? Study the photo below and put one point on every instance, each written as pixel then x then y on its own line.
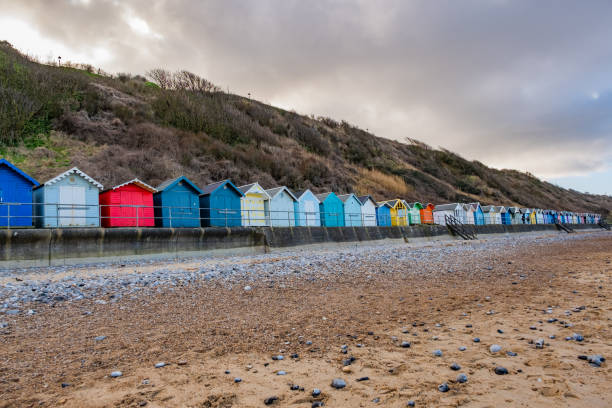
pixel 374 180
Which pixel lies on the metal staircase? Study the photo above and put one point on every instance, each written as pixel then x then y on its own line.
pixel 457 227
pixel 603 224
pixel 564 227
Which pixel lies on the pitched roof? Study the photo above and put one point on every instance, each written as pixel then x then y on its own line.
pixel 247 187
pixel 446 207
pixel 172 182
pixel 212 187
pixel 488 208
pixel 67 173
pixel 323 196
pixel 365 198
pixel 137 182
pixel 272 192
pixel 346 197
pixel 300 193
pixel 19 171
pixel 383 203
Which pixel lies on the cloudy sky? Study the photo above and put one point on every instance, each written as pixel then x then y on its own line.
pixel 514 84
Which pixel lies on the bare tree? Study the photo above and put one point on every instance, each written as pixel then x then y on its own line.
pixel 161 77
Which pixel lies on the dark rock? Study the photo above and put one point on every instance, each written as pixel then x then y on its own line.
pixel 227 371
pixel 376 400
pixel 279 357
pixel 476 340
pixel 511 353
pixel 363 379
pixel 99 338
pixel 455 367
pixel 501 370
pixel 237 379
pixel 405 344
pixel 317 404
pixel 596 360
pixel 410 403
pixel 64 385
pixel 443 387
pixel 437 353
pixel 500 331
pixel 462 348
pixel 316 392
pixel 294 387
pixel 281 372
pixel 338 383
pixel 270 400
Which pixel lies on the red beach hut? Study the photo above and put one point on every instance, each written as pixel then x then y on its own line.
pixel 128 205
pixel 427 214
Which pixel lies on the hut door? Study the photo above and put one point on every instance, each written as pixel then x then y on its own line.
pixel 71 209
pixel 309 209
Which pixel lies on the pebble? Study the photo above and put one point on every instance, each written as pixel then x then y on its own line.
pixel 99 338
pixel 279 357
pixel 495 348
pixel 281 372
pixel 462 348
pixel 539 344
pixel 462 378
pixel 316 392
pixel 64 385
pixel 227 371
pixel 501 370
pixel 577 337
pixel 237 379
pixel 476 340
pixel 410 403
pixel 595 360
pixel 247 288
pixel 455 367
pixel 405 344
pixel 500 331
pixel 437 353
pixel 317 404
pixel 270 400
pixel 376 400
pixel 443 387
pixel 511 353
pixel 338 383
pixel 363 379
pixel 116 374
pixel 309 343
pixel 160 364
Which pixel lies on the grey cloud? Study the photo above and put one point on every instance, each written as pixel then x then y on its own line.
pixel 506 82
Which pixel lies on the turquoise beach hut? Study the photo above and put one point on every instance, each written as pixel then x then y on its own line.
pixel 68 200
pixel 177 204
pixel 383 214
pixel 352 210
pixel 478 214
pixel 332 210
pixel 220 205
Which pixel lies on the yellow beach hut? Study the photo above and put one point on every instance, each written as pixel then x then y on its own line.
pixel 254 206
pixel 398 212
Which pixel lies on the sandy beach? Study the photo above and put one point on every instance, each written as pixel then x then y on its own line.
pixel 331 314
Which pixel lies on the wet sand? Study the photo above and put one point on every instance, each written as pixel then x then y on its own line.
pixel 202 330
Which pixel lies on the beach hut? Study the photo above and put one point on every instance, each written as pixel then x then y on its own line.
pixel 478 214
pixel 307 213
pixel 525 215
pixel 15 196
pixel 128 205
pixel 282 207
pixel 352 210
pixel 469 214
pixel 539 216
pixel 455 210
pixel 413 213
pixel 398 213
pixel 427 214
pixel 383 214
pixel 504 215
pixel 490 215
pixel 532 216
pixel 368 211
pixel 177 204
pixel 68 200
pixel 220 205
pixel 332 210
pixel 515 215
pixel 254 205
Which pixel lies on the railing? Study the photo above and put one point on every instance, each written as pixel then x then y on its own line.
pixel 122 215
pixel 466 232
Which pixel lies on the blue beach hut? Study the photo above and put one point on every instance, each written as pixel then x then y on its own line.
pixel 307 213
pixel 478 214
pixel 332 210
pixel 177 204
pixel 15 187
pixel 352 210
pixel 68 200
pixel 282 207
pixel 220 205
pixel 383 214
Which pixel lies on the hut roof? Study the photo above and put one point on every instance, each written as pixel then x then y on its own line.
pixel 172 182
pixel 346 197
pixel 19 171
pixel 447 207
pixel 323 196
pixel 365 198
pixel 137 182
pixel 212 187
pixel 67 173
pixel 273 192
pixel 246 188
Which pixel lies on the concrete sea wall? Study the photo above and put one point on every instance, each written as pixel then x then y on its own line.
pixel 44 247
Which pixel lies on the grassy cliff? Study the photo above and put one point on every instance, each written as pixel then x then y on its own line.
pixel 121 127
